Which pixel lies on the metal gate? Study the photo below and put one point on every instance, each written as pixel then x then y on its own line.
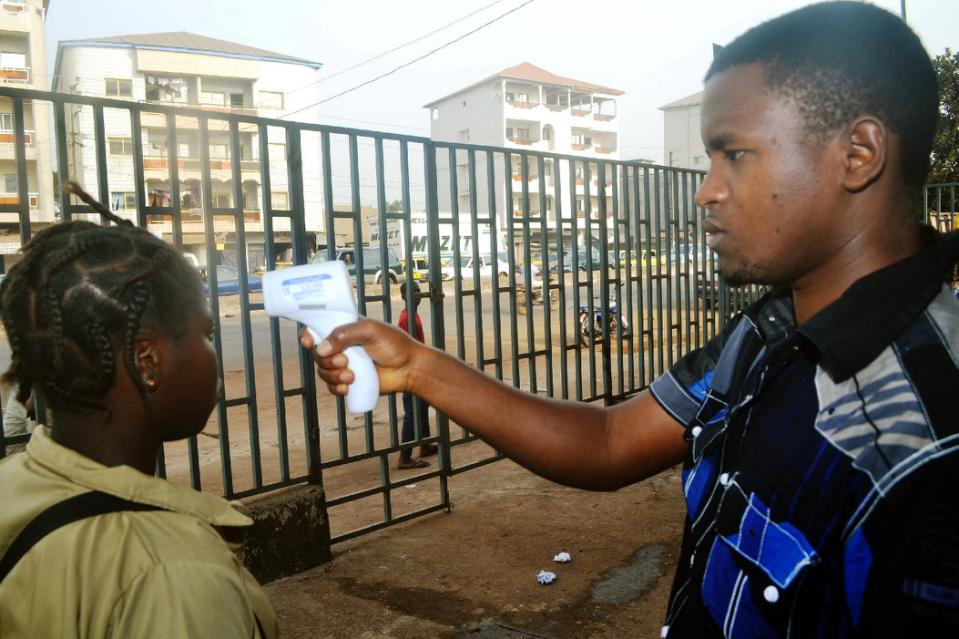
pixel 525 255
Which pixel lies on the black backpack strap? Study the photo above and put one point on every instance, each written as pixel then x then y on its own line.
pixel 60 514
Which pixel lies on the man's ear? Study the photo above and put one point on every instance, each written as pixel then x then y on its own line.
pixel 148 363
pixel 866 148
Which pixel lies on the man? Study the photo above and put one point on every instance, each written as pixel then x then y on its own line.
pixel 819 432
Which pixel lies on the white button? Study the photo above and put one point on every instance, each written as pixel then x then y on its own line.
pixel 692 559
pixel 664 632
pixel 724 479
pixel 696 430
pixel 772 319
pixel 770 594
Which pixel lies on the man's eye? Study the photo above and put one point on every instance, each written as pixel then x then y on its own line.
pixel 733 155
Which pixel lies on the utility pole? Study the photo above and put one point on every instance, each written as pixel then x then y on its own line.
pixel 902 9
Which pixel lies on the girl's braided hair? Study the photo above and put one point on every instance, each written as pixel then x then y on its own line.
pixel 77 299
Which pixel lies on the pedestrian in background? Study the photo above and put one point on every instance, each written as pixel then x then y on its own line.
pixel 414 405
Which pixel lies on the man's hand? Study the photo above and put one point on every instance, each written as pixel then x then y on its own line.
pixel 393 351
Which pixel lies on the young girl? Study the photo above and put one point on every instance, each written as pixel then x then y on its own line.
pixel 109 325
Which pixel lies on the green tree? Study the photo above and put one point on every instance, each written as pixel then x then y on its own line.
pixel 395 206
pixel 945 149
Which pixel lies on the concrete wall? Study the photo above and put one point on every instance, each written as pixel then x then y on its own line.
pixel 682 139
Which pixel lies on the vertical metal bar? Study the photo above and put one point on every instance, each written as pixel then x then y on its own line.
pixel 457 254
pixel 330 254
pixel 530 326
pixel 588 255
pixel 621 312
pixel 545 291
pixel 359 254
pixel 436 300
pixel 239 220
pixel 276 345
pixel 211 260
pixel 63 170
pixel 494 274
pixel 659 217
pixel 561 278
pixel 311 421
pixel 173 161
pixel 561 269
pixel 139 193
pixel 511 258
pixel 604 286
pixel 99 133
pixel 632 249
pixel 494 235
pixel 20 153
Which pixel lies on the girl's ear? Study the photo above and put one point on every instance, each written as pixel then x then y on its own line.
pixel 146 357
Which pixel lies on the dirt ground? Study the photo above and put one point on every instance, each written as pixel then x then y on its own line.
pixel 472 572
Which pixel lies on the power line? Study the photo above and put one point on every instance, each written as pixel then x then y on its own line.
pixel 395 49
pixel 406 64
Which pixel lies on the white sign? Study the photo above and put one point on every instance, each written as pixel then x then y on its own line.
pixel 9 248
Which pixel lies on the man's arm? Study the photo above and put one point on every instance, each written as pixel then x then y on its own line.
pixel 568 442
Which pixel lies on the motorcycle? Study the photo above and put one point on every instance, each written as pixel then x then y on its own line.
pixel 592 318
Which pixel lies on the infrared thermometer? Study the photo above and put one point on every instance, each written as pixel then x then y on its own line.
pixel 320 296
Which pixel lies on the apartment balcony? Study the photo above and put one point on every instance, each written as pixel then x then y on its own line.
pixel 581 147
pixel 604 149
pixel 14 75
pixel 12 6
pixel 158 167
pixel 13 198
pixel 196 216
pixel 580 110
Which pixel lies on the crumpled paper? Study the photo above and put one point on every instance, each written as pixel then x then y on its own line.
pixel 546 577
pixel 563 558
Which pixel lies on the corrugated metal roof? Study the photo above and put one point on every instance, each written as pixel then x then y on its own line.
pixel 532 73
pixel 185 41
pixel 689 100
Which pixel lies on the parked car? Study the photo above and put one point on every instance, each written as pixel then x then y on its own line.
pixel 585 261
pixel 708 287
pixel 228 281
pixel 421 269
pixel 373 270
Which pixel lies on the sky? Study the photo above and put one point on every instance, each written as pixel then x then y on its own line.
pixel 656 52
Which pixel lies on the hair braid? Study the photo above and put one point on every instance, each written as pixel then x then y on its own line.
pixel 140 296
pixel 75 302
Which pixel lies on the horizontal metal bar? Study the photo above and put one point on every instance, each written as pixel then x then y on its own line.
pixel 243 494
pixel 359 532
pixel 377 490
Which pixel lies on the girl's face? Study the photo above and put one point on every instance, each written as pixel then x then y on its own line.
pixel 189 385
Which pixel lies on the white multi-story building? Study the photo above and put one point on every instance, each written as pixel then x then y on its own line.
pixel 682 140
pixel 23 64
pixel 527 108
pixel 199 72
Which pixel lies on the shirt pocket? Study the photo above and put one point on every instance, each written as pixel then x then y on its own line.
pixel 754 567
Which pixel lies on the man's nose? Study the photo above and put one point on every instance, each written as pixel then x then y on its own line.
pixel 712 191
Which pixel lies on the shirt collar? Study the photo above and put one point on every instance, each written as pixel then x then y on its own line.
pixel 857 327
pixel 128 483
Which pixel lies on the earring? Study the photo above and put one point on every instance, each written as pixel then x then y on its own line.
pixel 151 384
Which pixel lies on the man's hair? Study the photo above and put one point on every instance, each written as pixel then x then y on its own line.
pixel 413 286
pixel 840 60
pixel 77 300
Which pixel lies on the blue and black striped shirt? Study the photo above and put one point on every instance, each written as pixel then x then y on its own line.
pixel 821 483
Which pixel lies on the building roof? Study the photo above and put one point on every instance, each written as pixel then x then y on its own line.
pixel 689 100
pixel 184 41
pixel 531 73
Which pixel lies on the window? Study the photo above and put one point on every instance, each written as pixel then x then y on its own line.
pixel 222 201
pixel 697 159
pixel 121 200
pixel 13 60
pixel 218 152
pixel 579 138
pixel 121 146
pixel 271 100
pixel 522 97
pixel 6 122
pixel 435 113
pixel 547 133
pixel 245 200
pixel 184 150
pixel 280 201
pixel 10 183
pixel 548 169
pixel 465 135
pixel 510 97
pixel 236 100
pixel 522 133
pixel 117 88
pixel 213 97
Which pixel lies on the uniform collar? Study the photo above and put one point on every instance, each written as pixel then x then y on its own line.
pixel 128 483
pixel 857 327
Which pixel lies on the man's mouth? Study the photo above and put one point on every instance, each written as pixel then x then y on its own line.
pixel 714 233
